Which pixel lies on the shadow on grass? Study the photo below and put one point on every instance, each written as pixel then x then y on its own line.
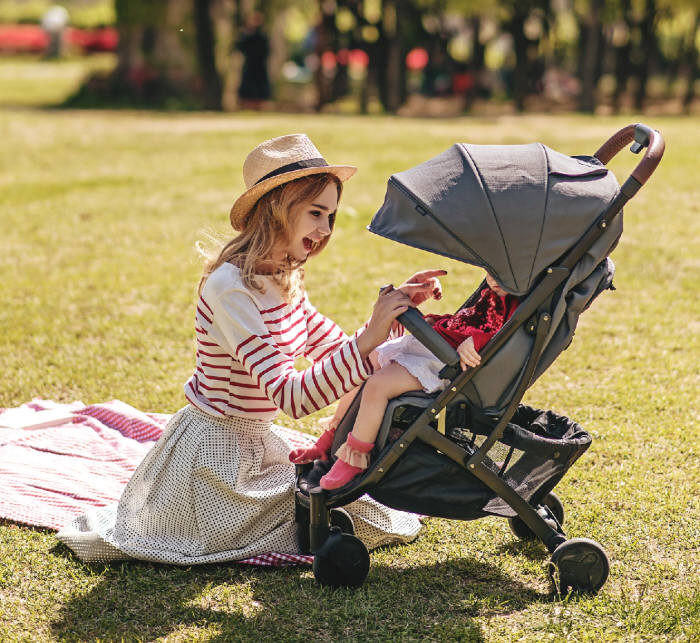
pixel 138 600
pixel 530 549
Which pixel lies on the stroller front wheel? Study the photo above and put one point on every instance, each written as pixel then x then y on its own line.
pixel 579 565
pixel 523 532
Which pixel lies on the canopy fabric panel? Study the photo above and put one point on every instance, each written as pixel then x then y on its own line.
pixel 511 209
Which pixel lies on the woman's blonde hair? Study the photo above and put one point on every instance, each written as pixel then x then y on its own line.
pixel 271 221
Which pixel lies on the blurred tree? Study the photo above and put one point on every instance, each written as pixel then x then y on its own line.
pixel 156 43
pixel 682 22
pixel 622 46
pixel 648 49
pixel 635 41
pixel 526 21
pixel 327 43
pixel 175 52
pixel 165 57
pixel 384 30
pixel 692 62
pixel 206 58
pixel 590 50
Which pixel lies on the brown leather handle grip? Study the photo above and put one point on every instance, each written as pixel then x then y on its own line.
pixel 655 149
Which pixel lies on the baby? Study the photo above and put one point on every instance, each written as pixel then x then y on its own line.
pixel 403 365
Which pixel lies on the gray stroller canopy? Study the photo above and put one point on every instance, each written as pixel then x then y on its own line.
pixel 511 209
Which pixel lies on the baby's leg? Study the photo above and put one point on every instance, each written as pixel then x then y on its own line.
pixel 321 450
pixel 353 456
pixel 347 399
pixel 343 406
pixel 385 384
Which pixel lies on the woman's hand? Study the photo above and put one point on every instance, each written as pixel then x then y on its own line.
pixel 389 305
pixel 423 285
pixel 467 354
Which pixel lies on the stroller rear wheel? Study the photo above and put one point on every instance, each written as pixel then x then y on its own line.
pixel 579 565
pixel 552 502
pixel 342 561
pixel 341 518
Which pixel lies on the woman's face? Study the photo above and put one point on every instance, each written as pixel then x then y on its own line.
pixel 312 223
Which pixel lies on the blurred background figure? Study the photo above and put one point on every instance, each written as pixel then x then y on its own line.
pixel 54 23
pixel 254 89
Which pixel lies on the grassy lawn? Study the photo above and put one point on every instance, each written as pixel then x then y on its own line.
pixel 26 82
pixel 100 213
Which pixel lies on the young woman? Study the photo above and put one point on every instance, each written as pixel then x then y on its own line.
pixel 218 485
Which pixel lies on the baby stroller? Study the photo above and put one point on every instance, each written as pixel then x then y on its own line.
pixel 543 224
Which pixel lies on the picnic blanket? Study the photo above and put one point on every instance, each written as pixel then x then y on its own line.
pixel 58 460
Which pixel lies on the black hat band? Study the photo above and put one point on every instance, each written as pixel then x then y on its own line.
pixel 291 167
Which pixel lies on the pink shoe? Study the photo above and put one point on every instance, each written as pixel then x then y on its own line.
pixel 353 459
pixel 320 450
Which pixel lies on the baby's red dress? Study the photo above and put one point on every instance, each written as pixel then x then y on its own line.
pixel 480 321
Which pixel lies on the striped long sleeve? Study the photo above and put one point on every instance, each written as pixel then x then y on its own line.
pixel 262 345
pixel 323 335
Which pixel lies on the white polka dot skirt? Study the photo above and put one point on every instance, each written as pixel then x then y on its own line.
pixel 210 490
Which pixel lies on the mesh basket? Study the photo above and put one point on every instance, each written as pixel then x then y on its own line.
pixel 536 450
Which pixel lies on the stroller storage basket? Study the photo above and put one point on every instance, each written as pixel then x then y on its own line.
pixel 536 450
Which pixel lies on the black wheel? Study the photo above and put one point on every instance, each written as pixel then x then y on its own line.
pixel 341 518
pixel 523 532
pixel 552 501
pixel 342 561
pixel 579 565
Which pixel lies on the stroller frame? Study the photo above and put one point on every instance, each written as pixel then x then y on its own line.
pixel 577 564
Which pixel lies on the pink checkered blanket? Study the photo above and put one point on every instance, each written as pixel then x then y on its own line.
pixel 58 460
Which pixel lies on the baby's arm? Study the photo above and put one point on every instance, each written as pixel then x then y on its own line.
pixel 468 355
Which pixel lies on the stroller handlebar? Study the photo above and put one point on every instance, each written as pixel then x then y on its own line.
pixel 640 136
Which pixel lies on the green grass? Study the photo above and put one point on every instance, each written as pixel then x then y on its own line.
pixel 26 82
pixel 100 212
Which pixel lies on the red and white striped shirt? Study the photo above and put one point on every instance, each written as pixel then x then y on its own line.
pixel 248 342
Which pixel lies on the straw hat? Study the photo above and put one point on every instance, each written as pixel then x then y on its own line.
pixel 278 161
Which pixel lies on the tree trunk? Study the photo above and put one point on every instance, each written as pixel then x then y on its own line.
pixel 590 48
pixel 692 64
pixel 623 67
pixel 324 43
pixel 392 69
pixel 648 55
pixel 478 60
pixel 212 86
pixel 516 27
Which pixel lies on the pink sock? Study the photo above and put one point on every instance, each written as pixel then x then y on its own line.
pixel 353 459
